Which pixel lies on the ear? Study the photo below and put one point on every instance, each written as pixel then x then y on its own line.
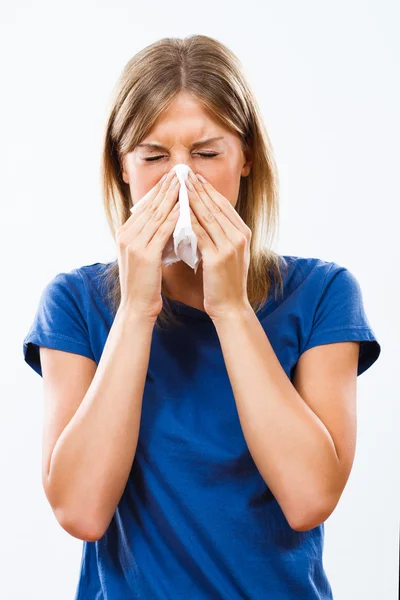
pixel 246 168
pixel 124 173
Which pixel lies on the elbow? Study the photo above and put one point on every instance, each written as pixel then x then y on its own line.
pixel 80 528
pixel 308 519
pixel 74 522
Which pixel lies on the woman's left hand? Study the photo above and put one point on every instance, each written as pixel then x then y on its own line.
pixel 223 239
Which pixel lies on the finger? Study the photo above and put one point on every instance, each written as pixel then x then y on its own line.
pixel 212 220
pixel 209 195
pixel 204 242
pixel 161 193
pixel 155 194
pixel 155 211
pixel 153 217
pixel 163 233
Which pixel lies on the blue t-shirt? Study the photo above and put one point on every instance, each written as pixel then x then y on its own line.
pixel 196 520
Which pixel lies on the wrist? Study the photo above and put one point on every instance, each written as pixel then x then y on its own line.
pixel 130 315
pixel 233 314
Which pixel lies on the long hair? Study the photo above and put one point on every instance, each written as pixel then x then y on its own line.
pixel 209 71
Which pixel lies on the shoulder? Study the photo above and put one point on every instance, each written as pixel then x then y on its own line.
pixel 308 274
pixel 314 285
pixel 74 284
pixel 70 295
pixel 61 317
pixel 94 272
pixel 322 303
pixel 303 266
pixel 93 278
pixel 315 273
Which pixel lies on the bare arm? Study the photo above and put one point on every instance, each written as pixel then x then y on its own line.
pixel 301 435
pixel 88 468
pixel 92 422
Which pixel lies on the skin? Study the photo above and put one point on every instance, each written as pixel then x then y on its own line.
pixel 182 124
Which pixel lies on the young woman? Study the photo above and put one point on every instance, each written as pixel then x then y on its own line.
pixel 199 427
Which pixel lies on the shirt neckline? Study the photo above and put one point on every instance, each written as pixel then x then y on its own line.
pixel 196 313
pixel 185 309
pixel 181 308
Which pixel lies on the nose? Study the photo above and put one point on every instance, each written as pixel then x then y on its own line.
pixel 182 161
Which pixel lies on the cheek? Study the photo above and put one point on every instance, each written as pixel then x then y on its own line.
pixel 140 179
pixel 233 191
pixel 221 177
pixel 228 186
pixel 141 183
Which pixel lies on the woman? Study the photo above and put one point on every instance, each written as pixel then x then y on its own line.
pixel 199 426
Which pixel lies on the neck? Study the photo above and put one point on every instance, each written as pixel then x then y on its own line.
pixel 181 282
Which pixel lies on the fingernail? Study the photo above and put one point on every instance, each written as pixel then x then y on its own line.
pixel 201 178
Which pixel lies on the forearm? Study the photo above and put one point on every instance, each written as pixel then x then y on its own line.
pixel 291 447
pixel 93 456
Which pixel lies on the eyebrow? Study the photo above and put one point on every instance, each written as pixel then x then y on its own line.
pixel 153 145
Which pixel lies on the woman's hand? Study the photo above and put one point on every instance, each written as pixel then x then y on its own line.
pixel 224 241
pixel 140 243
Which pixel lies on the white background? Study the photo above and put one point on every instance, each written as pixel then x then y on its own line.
pixel 326 76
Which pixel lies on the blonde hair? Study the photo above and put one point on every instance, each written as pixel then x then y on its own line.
pixel 209 71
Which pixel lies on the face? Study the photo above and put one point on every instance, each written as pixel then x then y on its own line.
pixel 179 130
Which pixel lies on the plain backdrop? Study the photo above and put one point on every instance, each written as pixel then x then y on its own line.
pixel 326 76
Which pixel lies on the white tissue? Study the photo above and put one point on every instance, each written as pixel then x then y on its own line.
pixel 182 245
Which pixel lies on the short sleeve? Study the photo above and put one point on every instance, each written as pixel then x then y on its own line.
pixel 59 321
pixel 340 316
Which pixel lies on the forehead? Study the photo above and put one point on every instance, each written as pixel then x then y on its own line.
pixel 188 120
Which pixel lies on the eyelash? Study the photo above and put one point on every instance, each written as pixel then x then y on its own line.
pixel 155 158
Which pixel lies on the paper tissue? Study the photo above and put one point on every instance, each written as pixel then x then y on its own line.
pixel 182 244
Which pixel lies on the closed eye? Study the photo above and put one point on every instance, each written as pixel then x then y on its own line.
pixel 153 158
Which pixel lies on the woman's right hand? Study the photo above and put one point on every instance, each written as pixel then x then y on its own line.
pixel 140 244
